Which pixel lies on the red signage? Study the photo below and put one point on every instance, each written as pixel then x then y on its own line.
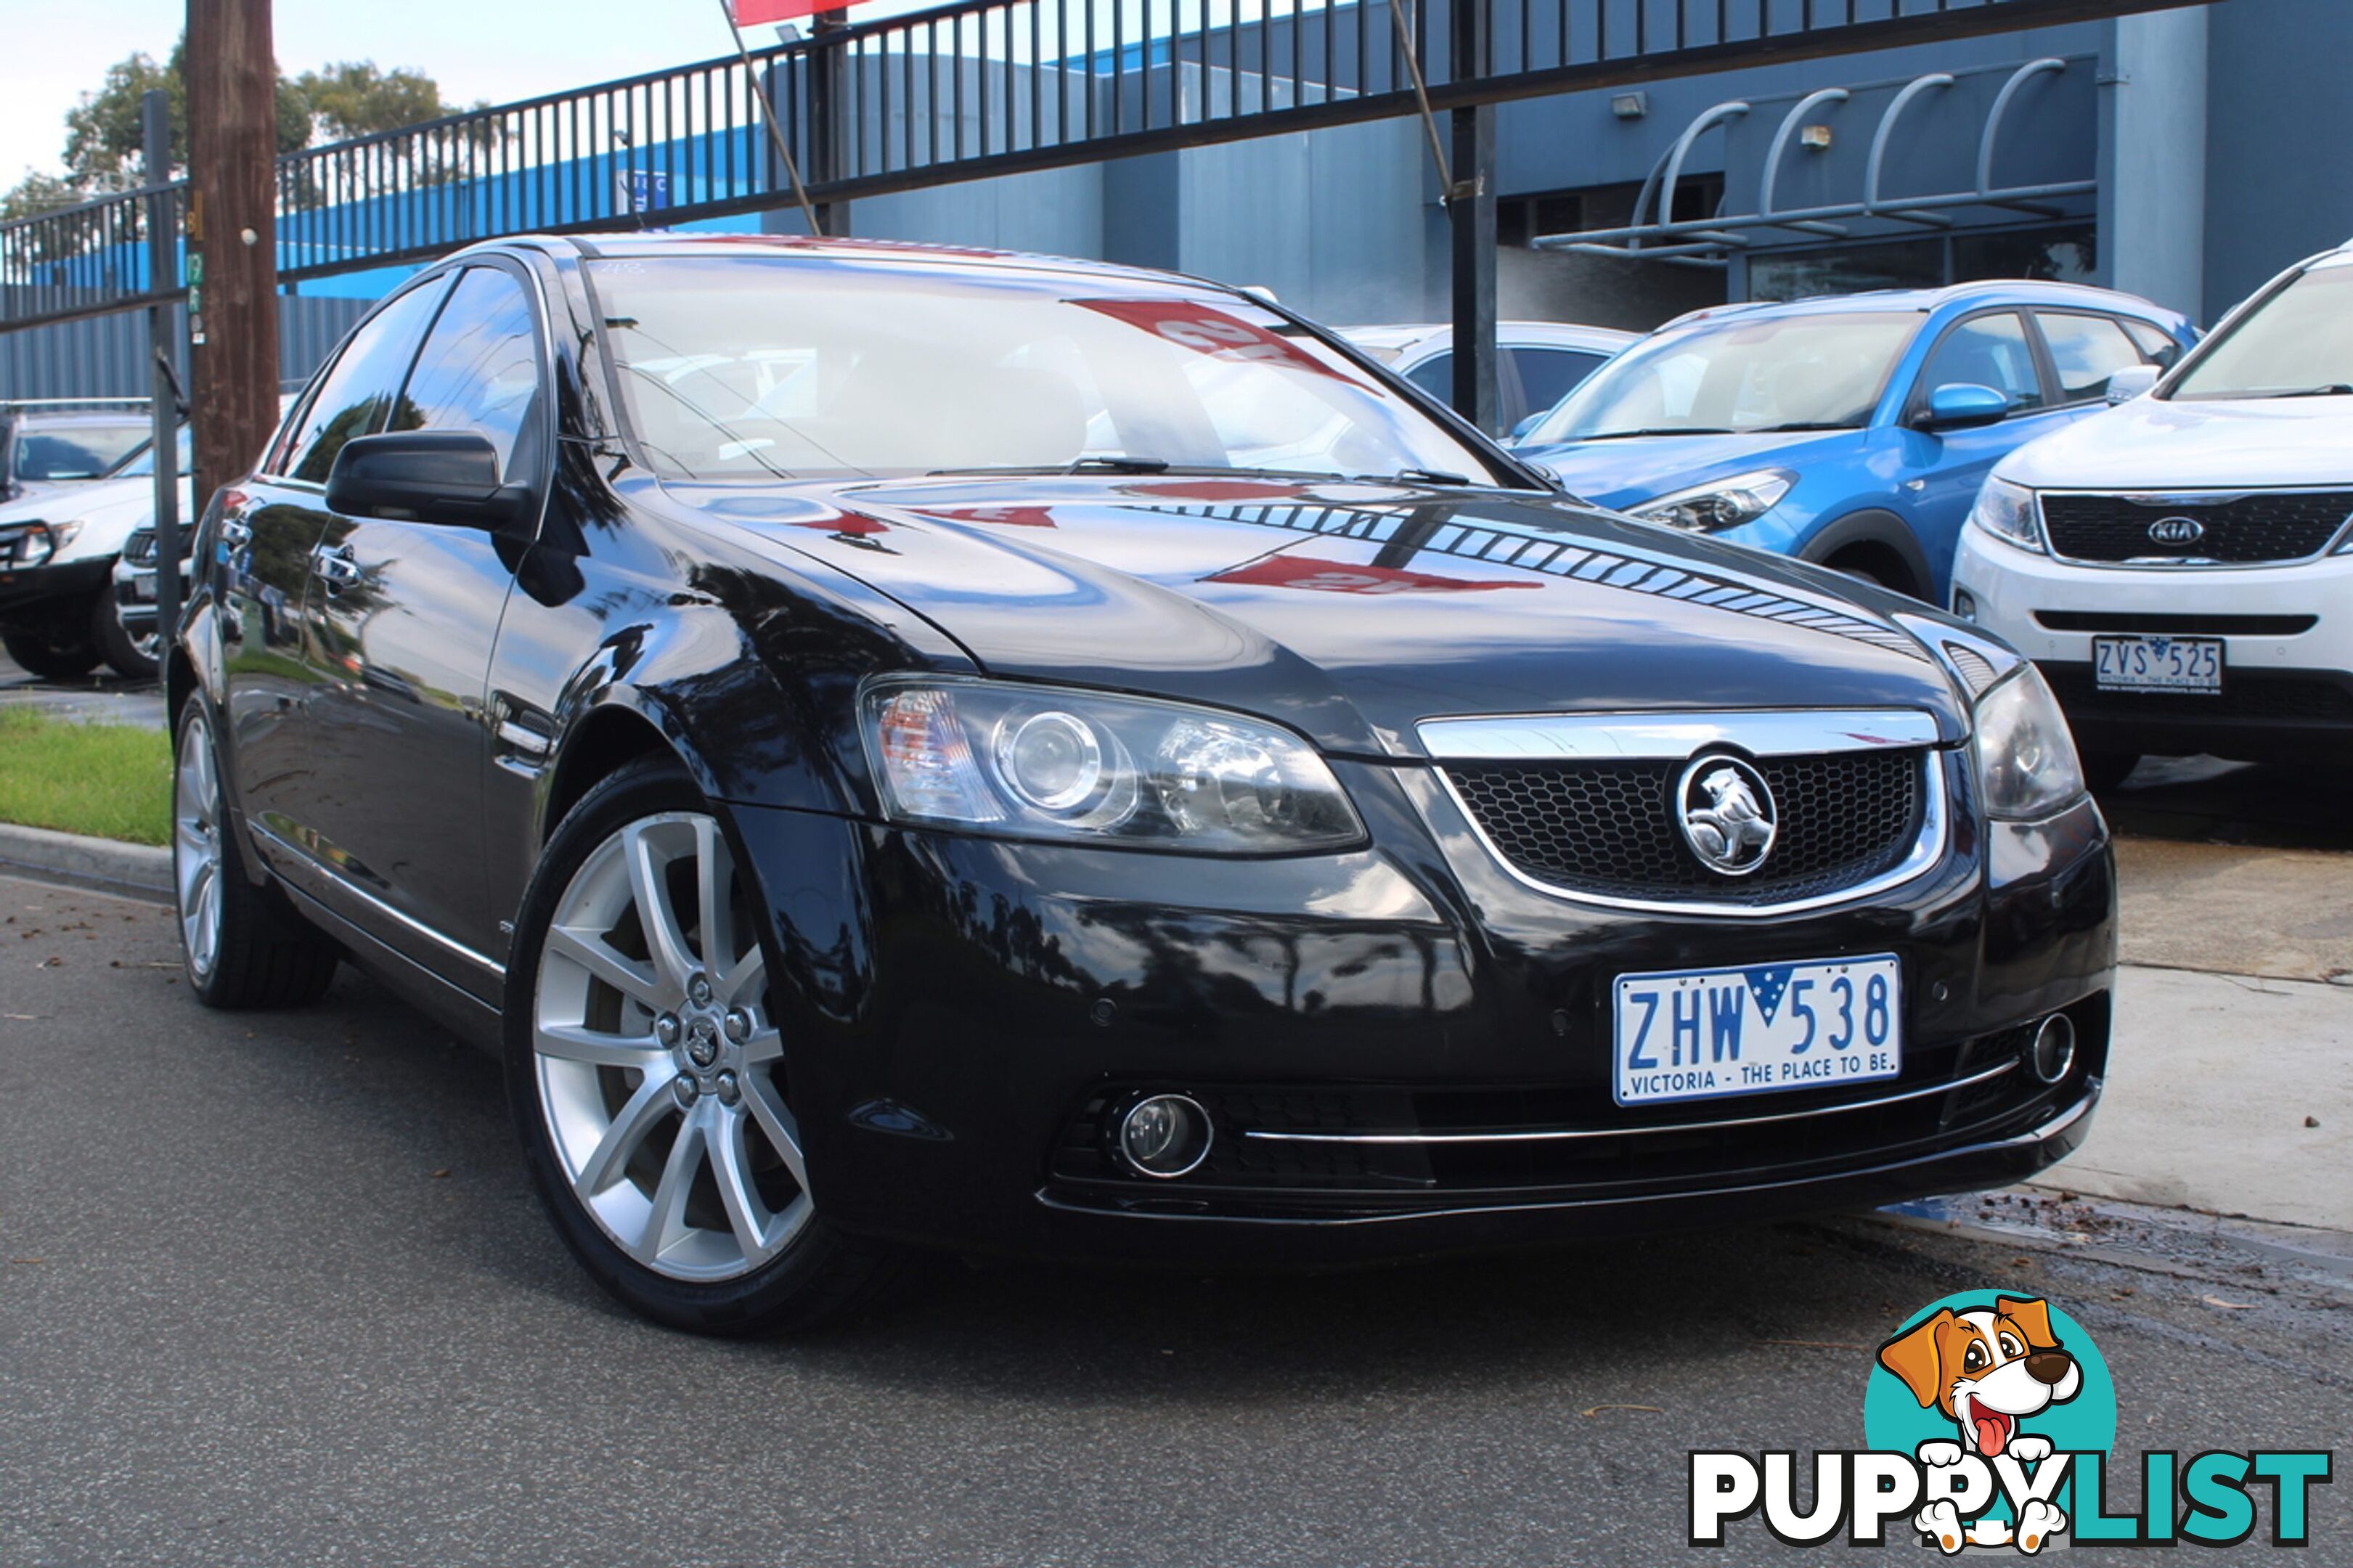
pixel 1012 516
pixel 1341 577
pixel 755 13
pixel 1205 330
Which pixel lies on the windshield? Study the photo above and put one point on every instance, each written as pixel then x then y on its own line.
pixel 144 462
pixel 751 367
pixel 1810 372
pixel 75 451
pixel 2297 343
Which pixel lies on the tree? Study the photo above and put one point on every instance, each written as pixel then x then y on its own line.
pixel 357 98
pixel 104 150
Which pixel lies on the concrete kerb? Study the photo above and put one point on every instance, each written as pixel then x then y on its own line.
pixel 101 865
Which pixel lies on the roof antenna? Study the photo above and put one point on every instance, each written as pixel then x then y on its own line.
pixel 775 131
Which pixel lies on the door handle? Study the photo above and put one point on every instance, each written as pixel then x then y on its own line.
pixel 336 566
pixel 235 531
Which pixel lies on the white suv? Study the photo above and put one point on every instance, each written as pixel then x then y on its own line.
pixel 2181 565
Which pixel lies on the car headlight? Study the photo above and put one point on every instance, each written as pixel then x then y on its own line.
pixel 2008 511
pixel 49 541
pixel 2027 766
pixel 1724 503
pixel 1037 761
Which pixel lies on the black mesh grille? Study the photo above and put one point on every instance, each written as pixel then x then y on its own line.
pixel 15 546
pixel 2264 527
pixel 139 548
pixel 1609 828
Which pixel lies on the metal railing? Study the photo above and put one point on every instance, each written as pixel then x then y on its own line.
pixel 961 91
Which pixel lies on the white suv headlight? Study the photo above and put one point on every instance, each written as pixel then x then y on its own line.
pixel 2027 766
pixel 2008 511
pixel 1039 761
pixel 1721 504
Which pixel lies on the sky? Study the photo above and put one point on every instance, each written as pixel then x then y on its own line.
pixel 477 49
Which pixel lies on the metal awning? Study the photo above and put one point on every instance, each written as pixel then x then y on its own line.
pixel 1712 241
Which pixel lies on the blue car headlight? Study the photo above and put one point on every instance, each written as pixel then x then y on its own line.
pixel 1719 504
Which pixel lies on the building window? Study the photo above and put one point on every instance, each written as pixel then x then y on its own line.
pixel 1522 220
pixel 2063 253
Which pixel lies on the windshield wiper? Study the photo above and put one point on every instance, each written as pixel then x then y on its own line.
pixel 2328 389
pixel 1412 477
pixel 1082 465
pixel 1796 425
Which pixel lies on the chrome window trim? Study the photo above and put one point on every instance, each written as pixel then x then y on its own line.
pixel 1925 851
pixel 1673 737
pixel 342 884
pixel 1563 1135
pixel 2337 541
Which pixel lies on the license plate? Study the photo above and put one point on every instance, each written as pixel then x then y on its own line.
pixel 2158 664
pixel 1697 1033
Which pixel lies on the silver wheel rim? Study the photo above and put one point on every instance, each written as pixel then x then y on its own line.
pixel 196 848
pixel 660 1073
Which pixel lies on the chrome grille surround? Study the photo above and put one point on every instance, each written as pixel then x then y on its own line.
pixel 1603 740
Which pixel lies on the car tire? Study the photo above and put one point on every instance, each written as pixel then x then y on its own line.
pixel 240 945
pixel 121 651
pixel 648 1078
pixel 48 660
pixel 2105 771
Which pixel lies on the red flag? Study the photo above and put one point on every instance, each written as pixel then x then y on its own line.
pixel 755 13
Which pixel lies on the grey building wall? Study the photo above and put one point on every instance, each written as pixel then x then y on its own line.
pixel 2153 175
pixel 2278 186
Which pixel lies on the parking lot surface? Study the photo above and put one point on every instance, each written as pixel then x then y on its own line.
pixel 272 1290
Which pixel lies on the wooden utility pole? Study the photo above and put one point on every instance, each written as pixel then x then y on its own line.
pixel 232 224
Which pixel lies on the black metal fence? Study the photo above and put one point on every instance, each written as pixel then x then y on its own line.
pixel 111 357
pixel 961 91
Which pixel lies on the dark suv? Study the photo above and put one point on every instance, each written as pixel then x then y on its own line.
pixel 904 746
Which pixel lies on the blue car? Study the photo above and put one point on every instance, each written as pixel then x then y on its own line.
pixel 1853 431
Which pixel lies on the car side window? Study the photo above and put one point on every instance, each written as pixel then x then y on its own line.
pixel 1435 376
pixel 1985 351
pixel 478 370
pixel 2157 345
pixel 1547 375
pixel 357 393
pixel 2086 351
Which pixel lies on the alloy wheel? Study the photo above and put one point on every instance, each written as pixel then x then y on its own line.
pixel 660 1073
pixel 196 847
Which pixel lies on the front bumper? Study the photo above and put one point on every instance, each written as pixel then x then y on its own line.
pixel 2287 659
pixel 135 598
pixel 971 1008
pixel 34 594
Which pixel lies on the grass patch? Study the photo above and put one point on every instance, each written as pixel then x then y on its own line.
pixel 108 781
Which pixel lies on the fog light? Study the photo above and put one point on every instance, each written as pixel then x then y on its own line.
pixel 2054 1048
pixel 1164 1135
pixel 1964 605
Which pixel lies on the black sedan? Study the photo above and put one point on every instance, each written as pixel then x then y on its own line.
pixel 907 747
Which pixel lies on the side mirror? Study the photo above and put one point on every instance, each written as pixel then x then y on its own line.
pixel 1964 405
pixel 1520 431
pixel 446 476
pixel 2131 382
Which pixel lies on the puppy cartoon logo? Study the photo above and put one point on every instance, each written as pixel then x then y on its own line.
pixel 1989 1424
pixel 1988 1371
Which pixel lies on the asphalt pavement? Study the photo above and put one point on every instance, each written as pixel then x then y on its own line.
pixel 273 1290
